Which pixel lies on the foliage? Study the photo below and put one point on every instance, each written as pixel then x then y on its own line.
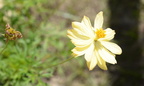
pixel 27 61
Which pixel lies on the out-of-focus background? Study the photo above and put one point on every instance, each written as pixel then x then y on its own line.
pixel 43 23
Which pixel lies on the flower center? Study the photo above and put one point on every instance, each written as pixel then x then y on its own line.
pixel 100 33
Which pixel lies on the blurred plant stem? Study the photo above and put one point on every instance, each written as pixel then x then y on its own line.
pixel 60 62
pixel 4 47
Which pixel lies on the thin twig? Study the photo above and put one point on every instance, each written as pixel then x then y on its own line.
pixel 4 47
pixel 60 62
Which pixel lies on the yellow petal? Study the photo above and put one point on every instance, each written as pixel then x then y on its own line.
pixel 78 51
pixel 109 33
pixel 101 62
pixel 93 61
pixel 114 48
pixel 105 54
pixel 81 43
pixel 102 65
pixel 98 21
pixel 76 34
pixel 89 52
pixel 78 39
pixel 87 25
pixel 87 22
pixel 88 64
pixel 80 27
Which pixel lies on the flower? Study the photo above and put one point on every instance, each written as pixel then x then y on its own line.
pixel 94 42
pixel 11 34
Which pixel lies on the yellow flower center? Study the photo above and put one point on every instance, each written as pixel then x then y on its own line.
pixel 100 33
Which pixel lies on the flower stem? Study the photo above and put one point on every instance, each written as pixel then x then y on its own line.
pixel 61 62
pixel 4 48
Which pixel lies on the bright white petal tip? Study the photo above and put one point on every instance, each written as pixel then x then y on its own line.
pixel 112 47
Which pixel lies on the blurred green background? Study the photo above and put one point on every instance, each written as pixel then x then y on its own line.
pixel 43 23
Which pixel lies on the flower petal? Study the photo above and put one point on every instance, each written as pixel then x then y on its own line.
pixel 101 62
pixel 81 43
pixel 78 39
pixel 89 52
pixel 87 22
pixel 73 34
pixel 77 25
pixel 109 35
pixel 114 48
pixel 98 21
pixel 88 27
pixel 78 51
pixel 105 54
pixel 80 28
pixel 102 65
pixel 93 62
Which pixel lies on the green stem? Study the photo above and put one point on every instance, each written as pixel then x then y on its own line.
pixel 4 48
pixel 60 62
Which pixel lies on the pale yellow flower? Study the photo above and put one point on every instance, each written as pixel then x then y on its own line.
pixel 94 42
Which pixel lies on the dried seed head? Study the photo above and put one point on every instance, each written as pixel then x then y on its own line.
pixel 11 34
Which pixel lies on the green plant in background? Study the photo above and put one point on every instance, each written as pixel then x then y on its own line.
pixel 27 13
pixel 28 61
